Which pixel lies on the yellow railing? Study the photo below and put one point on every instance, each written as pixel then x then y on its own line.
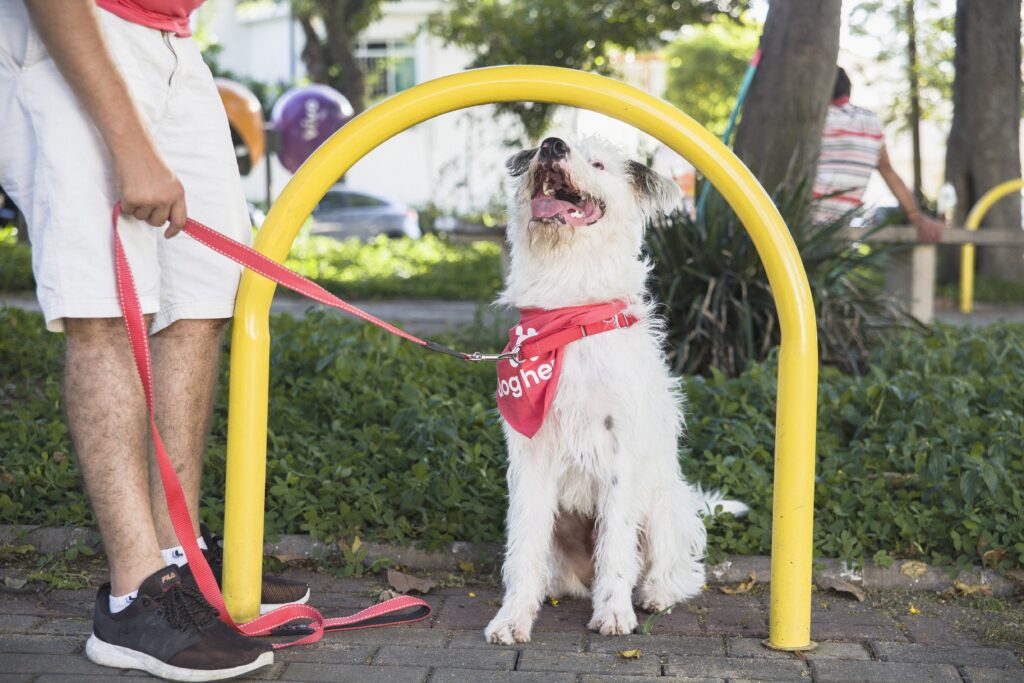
pixel 798 353
pixel 973 222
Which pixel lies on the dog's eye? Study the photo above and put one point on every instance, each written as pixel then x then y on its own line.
pixel 598 165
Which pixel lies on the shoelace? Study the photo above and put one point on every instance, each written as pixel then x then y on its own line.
pixel 187 610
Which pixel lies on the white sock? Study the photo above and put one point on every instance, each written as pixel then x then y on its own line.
pixel 176 555
pixel 119 602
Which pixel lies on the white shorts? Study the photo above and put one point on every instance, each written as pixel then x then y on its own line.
pixel 56 167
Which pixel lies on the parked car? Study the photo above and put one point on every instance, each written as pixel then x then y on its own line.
pixel 344 213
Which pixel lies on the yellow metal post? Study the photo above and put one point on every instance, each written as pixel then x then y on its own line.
pixel 798 353
pixel 973 222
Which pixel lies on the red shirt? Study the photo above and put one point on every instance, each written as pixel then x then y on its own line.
pixel 163 15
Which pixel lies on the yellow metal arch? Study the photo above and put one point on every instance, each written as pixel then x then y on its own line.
pixel 973 222
pixel 798 353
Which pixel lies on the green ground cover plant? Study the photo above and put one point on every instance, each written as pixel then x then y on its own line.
pixel 370 437
pixel 427 268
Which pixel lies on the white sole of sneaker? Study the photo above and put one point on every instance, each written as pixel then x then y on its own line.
pixel 270 607
pixel 106 654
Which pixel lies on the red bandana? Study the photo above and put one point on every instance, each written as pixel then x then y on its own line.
pixel 527 387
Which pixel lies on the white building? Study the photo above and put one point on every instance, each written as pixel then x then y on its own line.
pixel 455 160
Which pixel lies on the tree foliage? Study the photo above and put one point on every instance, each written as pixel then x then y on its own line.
pixel 935 48
pixel 705 69
pixel 577 35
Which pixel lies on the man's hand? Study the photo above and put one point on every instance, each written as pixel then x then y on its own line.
pixel 928 229
pixel 149 190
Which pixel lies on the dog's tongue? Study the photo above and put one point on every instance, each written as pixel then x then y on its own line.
pixel 549 207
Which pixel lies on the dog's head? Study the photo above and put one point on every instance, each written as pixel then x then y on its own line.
pixel 587 190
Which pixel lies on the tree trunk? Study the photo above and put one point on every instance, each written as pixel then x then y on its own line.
pixel 984 140
pixel 331 58
pixel 915 99
pixel 780 135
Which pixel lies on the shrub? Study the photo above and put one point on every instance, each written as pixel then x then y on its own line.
pixel 428 267
pixel 371 436
pixel 720 308
pixel 15 263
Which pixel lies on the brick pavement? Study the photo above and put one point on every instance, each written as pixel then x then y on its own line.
pixel 713 638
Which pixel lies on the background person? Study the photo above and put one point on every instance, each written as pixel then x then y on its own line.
pixel 852 146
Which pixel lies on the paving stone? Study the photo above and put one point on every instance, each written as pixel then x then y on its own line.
pixel 568 642
pixel 991 657
pixel 593 662
pixel 467 676
pixel 753 647
pixel 594 678
pixel 568 615
pixel 67 626
pixel 742 621
pixel 39 644
pixel 18 663
pixel 18 623
pixel 840 671
pixel 660 645
pixel 977 674
pixel 386 636
pixel 397 655
pixel 935 631
pixel 881 628
pixel 463 613
pixel 348 654
pixel 302 672
pixel 683 620
pixel 15 678
pixel 734 667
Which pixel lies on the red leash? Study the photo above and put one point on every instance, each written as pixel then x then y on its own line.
pixel 399 610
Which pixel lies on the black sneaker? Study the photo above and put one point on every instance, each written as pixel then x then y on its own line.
pixel 171 631
pixel 275 591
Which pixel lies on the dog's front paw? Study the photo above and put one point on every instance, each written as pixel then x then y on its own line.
pixel 508 627
pixel 656 599
pixel 609 621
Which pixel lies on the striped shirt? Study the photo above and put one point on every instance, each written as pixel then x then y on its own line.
pixel 850 147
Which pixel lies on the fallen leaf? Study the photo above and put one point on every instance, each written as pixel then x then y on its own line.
pixel 15 583
pixel 741 587
pixel 630 654
pixel 404 583
pixel 840 586
pixel 913 568
pixel 467 567
pixel 387 594
pixel 554 602
pixel 912 610
pixel 972 589
pixel 357 544
pixel 472 595
pixel 992 558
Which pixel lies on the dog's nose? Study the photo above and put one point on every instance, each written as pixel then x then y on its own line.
pixel 553 149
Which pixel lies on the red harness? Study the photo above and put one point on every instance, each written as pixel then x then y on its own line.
pixel 527 380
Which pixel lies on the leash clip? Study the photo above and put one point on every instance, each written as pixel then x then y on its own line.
pixel 505 355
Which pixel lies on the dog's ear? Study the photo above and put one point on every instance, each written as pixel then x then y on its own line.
pixel 656 193
pixel 519 162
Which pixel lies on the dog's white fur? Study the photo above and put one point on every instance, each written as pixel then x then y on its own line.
pixel 608 447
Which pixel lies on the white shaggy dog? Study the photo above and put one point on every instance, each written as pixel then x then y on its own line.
pixel 597 502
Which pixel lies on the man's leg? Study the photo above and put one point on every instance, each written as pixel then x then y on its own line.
pixel 107 417
pixel 185 367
